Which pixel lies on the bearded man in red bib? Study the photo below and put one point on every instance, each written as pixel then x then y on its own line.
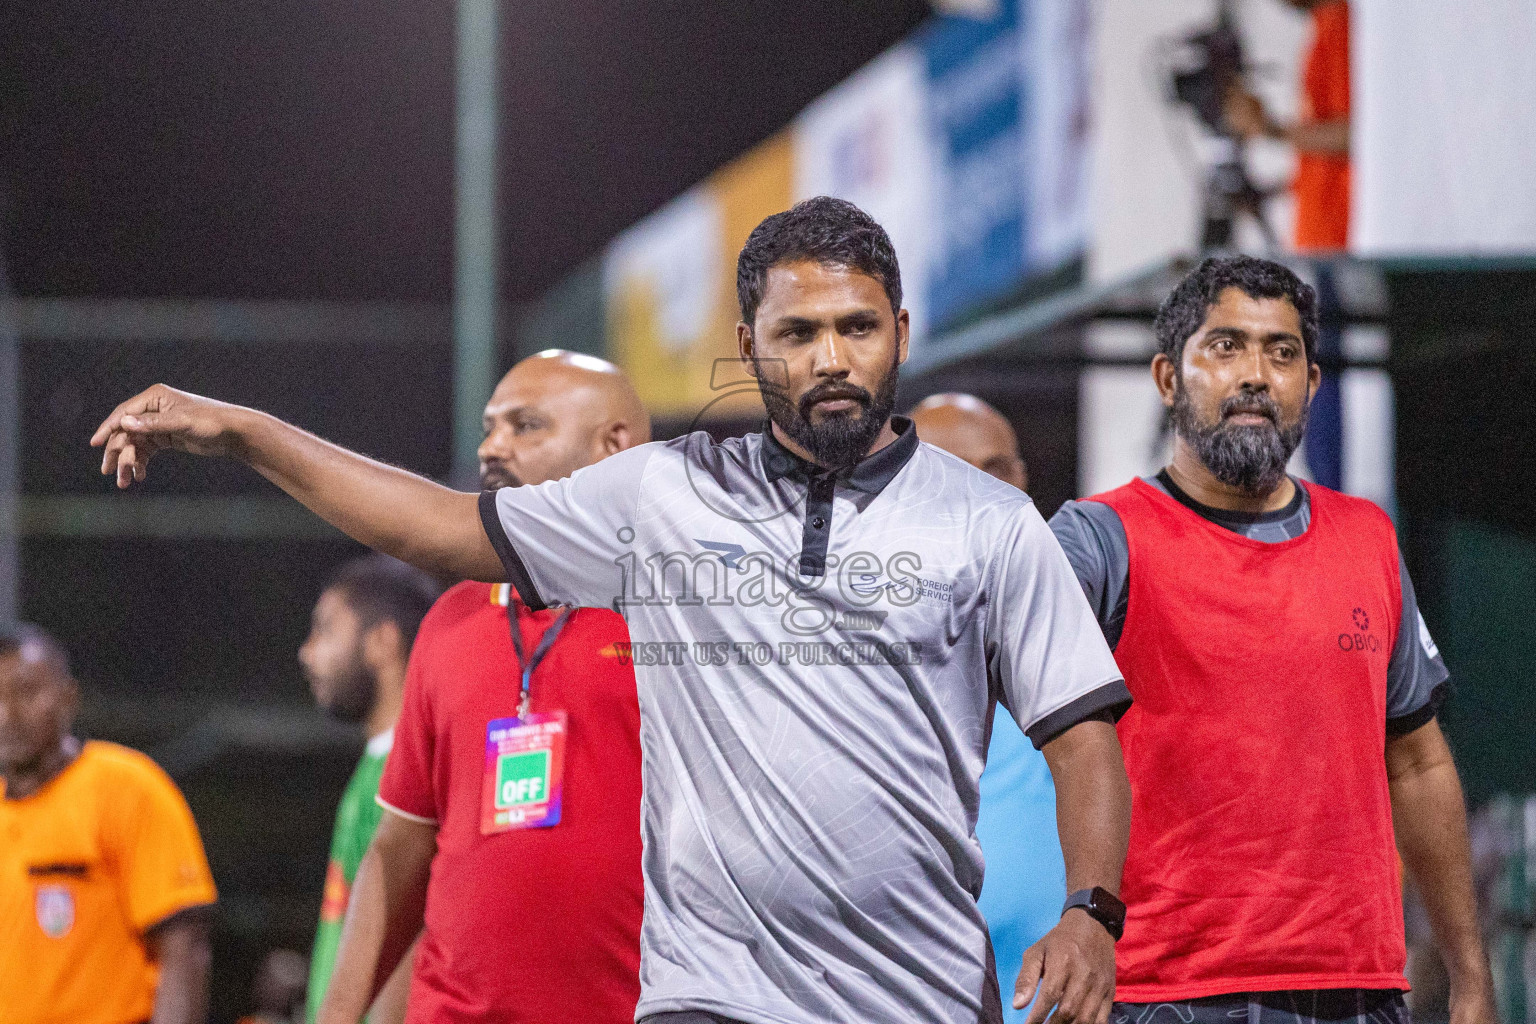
pixel 1283 736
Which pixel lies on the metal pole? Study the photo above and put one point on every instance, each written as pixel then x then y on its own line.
pixel 10 452
pixel 475 235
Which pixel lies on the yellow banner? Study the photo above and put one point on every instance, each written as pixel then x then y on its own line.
pixel 670 285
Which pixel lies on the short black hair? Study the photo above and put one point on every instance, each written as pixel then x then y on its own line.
pixel 1187 306
pixel 824 230
pixel 16 635
pixel 384 589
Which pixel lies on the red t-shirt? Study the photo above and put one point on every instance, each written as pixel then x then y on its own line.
pixel 1261 854
pixel 1322 179
pixel 535 924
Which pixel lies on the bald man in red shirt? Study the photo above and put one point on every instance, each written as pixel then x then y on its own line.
pixel 511 834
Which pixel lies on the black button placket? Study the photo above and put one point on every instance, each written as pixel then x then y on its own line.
pixel 869 476
pixel 818 524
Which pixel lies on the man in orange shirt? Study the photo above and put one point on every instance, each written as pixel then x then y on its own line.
pixel 104 888
pixel 1320 134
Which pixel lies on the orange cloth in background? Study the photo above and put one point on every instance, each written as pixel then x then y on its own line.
pixel 1322 179
pixel 88 864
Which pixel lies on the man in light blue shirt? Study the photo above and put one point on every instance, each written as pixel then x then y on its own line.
pixel 1026 877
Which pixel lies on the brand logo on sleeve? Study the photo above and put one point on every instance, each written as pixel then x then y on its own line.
pixel 55 910
pixel 1425 640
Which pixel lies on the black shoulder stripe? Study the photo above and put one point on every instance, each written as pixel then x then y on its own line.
pixel 517 572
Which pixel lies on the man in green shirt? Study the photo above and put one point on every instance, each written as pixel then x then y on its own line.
pixel 355 658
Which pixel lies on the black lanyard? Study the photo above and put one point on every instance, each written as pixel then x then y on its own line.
pixel 530 663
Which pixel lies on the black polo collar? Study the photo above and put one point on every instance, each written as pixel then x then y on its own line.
pixel 869 474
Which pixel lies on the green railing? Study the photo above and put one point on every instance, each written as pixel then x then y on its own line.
pixel 1510 945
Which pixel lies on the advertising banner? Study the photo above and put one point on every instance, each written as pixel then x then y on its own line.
pixel 866 141
pixel 968 142
pixel 669 282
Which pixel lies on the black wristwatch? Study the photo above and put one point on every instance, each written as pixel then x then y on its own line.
pixel 1102 905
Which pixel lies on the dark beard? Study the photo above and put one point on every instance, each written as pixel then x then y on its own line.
pixel 494 476
pixel 1250 458
pixel 842 438
pixel 355 696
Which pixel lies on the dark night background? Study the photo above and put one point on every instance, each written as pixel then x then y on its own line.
pixel 296 151
pixel 287 150
pixel 284 149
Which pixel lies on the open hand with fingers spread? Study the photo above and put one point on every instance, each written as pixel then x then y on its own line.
pixel 1074 966
pixel 158 419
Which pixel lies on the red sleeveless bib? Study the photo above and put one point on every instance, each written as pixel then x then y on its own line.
pixel 1261 854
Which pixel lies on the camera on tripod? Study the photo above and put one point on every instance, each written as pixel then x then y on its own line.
pixel 1202 69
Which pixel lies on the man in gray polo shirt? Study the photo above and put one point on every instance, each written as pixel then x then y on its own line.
pixel 823 616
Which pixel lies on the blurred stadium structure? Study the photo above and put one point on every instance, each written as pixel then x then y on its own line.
pixel 1504 852
pixel 1042 199
pixel 183 608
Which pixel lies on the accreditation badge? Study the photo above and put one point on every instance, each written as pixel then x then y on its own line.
pixel 524 768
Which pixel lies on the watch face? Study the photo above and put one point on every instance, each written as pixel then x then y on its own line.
pixel 1108 910
pixel 1108 903
pixel 1101 905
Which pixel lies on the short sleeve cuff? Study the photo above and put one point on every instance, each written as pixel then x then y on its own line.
pixel 200 895
pixel 203 909
pixel 407 815
pixel 1108 702
pixel 517 572
pixel 1402 725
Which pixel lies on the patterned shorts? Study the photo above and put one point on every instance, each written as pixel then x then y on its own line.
pixel 1311 1006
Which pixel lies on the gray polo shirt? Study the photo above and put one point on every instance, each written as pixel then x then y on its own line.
pixel 818 656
